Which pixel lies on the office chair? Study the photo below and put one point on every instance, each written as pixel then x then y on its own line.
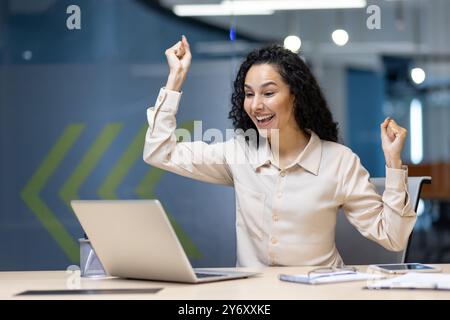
pixel 356 249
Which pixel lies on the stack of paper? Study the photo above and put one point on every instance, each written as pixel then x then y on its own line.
pixel 414 280
pixel 329 278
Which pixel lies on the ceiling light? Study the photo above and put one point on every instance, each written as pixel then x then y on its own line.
pixel 292 43
pixel 262 7
pixel 340 37
pixel 300 4
pixel 418 75
pixel 223 9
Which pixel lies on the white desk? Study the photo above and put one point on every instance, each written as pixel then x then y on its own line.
pixel 265 286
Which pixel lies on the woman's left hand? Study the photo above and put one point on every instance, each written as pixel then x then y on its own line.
pixel 392 140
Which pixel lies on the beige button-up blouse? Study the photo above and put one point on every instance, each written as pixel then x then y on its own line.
pixel 285 217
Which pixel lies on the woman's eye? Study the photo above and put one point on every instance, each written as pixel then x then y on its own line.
pixel 268 94
pixel 249 94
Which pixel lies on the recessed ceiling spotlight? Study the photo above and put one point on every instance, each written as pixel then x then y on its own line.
pixel 418 75
pixel 340 37
pixel 292 43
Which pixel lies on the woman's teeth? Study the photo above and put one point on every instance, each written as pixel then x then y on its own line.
pixel 263 119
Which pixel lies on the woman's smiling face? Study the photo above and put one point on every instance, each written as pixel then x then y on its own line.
pixel 268 100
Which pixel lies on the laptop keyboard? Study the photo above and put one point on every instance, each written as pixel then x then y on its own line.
pixel 206 275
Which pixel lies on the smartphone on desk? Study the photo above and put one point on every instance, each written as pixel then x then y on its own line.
pixel 396 268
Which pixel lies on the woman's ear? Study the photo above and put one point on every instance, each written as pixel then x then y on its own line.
pixel 292 101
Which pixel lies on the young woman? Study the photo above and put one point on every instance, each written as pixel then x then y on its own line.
pixel 296 176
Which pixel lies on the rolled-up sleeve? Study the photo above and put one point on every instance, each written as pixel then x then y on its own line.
pixel 388 219
pixel 197 160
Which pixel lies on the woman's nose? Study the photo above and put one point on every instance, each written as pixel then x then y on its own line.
pixel 257 104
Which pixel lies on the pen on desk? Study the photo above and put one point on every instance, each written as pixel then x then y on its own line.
pixel 410 285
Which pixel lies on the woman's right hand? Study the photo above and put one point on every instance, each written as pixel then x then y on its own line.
pixel 179 60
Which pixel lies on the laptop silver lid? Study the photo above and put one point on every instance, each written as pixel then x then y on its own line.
pixel 134 239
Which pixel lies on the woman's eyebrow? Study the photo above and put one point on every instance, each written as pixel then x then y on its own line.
pixel 262 86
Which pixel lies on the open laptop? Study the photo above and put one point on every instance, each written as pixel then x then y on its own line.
pixel 134 239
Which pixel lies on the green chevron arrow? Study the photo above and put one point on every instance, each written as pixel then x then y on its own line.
pixel 30 193
pixel 145 190
pixel 69 191
pixel 134 152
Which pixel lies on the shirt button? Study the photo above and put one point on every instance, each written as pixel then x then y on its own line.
pixel 274 240
pixel 283 173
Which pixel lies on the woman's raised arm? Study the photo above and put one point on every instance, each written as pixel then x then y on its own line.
pixel 197 160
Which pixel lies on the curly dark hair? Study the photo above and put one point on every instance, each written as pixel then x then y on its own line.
pixel 310 107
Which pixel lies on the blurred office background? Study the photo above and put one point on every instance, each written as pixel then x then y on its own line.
pixel 76 77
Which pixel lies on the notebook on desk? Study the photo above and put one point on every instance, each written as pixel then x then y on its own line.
pixel 134 239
